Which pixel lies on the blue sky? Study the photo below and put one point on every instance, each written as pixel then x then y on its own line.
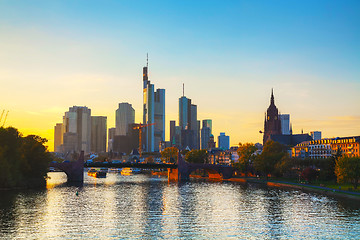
pixel 229 54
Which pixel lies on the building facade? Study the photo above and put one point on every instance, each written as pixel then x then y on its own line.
pixel 111 137
pixel 223 141
pixel 125 115
pixel 98 134
pixel 316 135
pixel 325 148
pixel 190 135
pixel 285 123
pixel 78 121
pixel 206 131
pixel 348 146
pixel 58 137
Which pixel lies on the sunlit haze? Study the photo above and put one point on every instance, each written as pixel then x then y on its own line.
pixel 229 55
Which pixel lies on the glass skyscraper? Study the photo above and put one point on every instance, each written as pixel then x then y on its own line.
pixel 153 112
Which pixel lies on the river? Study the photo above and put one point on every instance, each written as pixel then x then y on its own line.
pixel 148 207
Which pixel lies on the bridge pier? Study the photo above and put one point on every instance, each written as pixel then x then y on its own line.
pixel 73 170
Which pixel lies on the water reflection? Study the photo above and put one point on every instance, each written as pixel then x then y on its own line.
pixel 146 207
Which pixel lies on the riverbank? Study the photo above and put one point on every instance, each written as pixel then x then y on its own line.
pixel 304 187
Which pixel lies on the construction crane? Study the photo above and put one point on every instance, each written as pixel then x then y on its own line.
pixel 2 115
pixel 5 118
pixel 140 127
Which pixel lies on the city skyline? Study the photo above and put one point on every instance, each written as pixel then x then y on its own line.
pixel 228 55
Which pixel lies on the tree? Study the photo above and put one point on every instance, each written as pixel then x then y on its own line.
pixel 246 156
pixel 23 160
pixel 170 155
pixel 309 174
pixel 347 169
pixel 196 156
pixel 271 155
pixel 149 159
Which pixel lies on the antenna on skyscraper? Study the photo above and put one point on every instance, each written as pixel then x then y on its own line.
pixel 183 89
pixel 147 59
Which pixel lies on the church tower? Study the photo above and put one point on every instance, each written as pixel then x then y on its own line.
pixel 272 123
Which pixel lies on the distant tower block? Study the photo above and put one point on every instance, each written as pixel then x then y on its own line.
pixel 285 123
pixel 316 135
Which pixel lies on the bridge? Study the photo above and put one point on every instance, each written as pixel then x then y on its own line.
pixel 176 172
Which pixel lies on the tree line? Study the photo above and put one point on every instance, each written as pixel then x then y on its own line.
pixel 274 161
pixel 24 161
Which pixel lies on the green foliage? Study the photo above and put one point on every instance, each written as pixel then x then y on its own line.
pixel 246 156
pixel 284 166
pixel 23 160
pixel 196 156
pixel 272 155
pixel 347 169
pixel 170 155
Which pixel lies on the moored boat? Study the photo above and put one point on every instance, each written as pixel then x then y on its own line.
pixel 97 173
pixel 129 171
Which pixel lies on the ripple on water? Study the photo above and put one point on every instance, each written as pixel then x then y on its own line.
pixel 143 207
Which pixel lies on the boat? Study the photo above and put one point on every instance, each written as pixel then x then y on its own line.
pixel 93 172
pixel 129 171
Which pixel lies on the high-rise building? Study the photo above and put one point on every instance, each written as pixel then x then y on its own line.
pixel 315 135
pixel 125 115
pixel 126 144
pixel 111 138
pixel 184 112
pixel 223 141
pixel 207 123
pixel 205 137
pixel 285 123
pixel 206 131
pixel 153 112
pixel 172 132
pixel 98 134
pixel 159 118
pixel 272 124
pixel 58 137
pixel 78 121
pixel 188 123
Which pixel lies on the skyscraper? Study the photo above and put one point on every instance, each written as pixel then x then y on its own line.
pixel 285 123
pixel 207 123
pixel 188 123
pixel 223 141
pixel 153 112
pixel 58 138
pixel 111 139
pixel 125 115
pixel 78 121
pixel 206 131
pixel 172 132
pixel 98 134
pixel 159 118
pixel 205 137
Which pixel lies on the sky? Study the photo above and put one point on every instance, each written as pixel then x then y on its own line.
pixel 229 54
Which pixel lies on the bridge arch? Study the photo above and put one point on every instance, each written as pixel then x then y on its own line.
pixel 73 170
pixel 215 171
